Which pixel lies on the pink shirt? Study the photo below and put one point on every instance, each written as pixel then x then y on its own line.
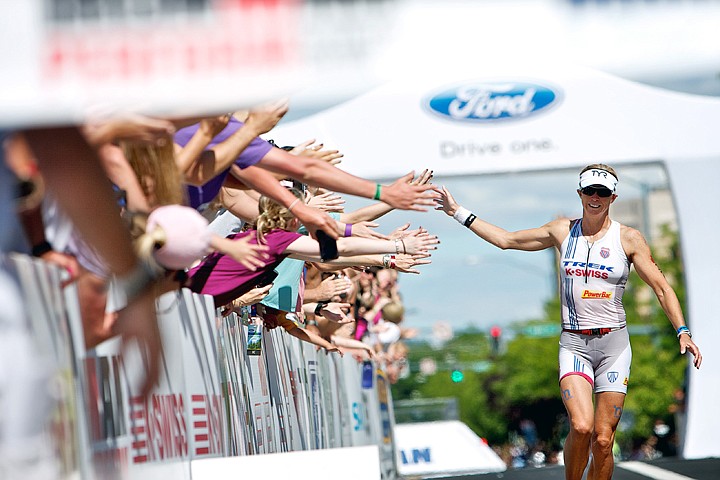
pixel 225 279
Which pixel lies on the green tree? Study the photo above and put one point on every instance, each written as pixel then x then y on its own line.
pixel 657 367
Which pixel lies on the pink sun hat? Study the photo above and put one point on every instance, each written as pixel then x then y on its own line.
pixel 187 238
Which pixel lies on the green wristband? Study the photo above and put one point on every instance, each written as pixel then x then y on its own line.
pixel 378 189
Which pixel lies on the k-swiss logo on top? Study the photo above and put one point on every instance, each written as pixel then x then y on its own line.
pixel 604 252
pixel 612 376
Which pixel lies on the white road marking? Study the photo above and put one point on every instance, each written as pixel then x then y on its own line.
pixel 651 471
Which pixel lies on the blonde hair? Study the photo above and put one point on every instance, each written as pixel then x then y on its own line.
pixel 273 215
pixel 157 172
pixel 393 312
pixel 600 166
pixel 144 242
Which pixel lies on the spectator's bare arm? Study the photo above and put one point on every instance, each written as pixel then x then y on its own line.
pixel 78 181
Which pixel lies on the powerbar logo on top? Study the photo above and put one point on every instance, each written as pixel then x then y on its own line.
pixel 598 295
pixel 492 101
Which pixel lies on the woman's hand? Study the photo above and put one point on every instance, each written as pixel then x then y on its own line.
pixel 333 286
pixel 334 312
pixel 335 348
pixel 406 195
pixel 249 255
pixel 365 230
pixel 249 298
pixel 327 202
pixel 307 149
pixel 423 178
pixel 418 242
pixel 405 263
pixel 687 345
pixel 212 126
pixel 67 262
pixel 263 118
pixel 446 202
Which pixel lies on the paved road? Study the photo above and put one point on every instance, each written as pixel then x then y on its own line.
pixel 662 469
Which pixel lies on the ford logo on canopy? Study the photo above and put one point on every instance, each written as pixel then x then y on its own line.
pixel 492 101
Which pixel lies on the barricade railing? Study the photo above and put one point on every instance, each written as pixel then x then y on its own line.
pixel 213 399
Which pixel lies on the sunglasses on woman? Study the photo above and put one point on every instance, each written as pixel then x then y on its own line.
pixel 602 192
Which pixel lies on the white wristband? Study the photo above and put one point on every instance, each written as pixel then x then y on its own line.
pixel 461 215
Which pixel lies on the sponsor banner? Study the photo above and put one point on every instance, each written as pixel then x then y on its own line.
pixel 301 392
pixel 70 60
pixel 58 345
pixel 236 405
pixel 317 411
pixel 202 380
pixel 387 446
pixel 329 399
pixel 360 430
pixel 212 401
pixel 274 363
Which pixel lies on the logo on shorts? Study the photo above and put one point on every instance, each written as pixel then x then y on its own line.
pixel 604 252
pixel 613 376
pixel 625 382
pixel 596 295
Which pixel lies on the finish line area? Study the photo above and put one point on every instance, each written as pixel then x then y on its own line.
pixel 661 469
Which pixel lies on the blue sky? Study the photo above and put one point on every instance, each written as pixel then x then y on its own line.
pixel 472 283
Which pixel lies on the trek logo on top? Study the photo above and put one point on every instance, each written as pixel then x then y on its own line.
pixel 492 101
pixel 581 269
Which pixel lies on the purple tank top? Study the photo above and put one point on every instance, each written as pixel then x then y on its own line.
pixel 254 152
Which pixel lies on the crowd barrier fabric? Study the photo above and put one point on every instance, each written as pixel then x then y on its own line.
pixel 213 399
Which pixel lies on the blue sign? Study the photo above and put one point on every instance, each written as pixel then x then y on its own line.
pixel 415 456
pixel 485 102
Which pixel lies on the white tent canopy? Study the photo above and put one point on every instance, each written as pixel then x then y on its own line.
pixel 511 119
pixel 441 449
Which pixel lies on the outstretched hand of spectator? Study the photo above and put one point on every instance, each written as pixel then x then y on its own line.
pixel 250 255
pixel 405 263
pixel 327 202
pixel 307 149
pixel 333 286
pixel 264 118
pixel 419 242
pixel 314 220
pixel 334 312
pixel 334 348
pixel 130 127
pixel 248 298
pixel 405 194
pixel 212 126
pixel 67 262
pixel 366 230
pixel 423 179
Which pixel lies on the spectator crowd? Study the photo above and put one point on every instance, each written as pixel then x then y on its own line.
pixel 261 227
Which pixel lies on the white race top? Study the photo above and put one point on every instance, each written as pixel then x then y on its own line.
pixel 592 279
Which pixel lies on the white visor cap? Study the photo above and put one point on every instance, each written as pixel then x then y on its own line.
pixel 597 176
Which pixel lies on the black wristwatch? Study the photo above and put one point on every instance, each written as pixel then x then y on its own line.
pixel 41 248
pixel 320 306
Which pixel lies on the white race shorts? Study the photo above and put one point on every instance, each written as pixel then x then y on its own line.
pixel 603 360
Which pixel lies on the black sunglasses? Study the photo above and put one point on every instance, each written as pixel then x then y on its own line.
pixel 602 192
